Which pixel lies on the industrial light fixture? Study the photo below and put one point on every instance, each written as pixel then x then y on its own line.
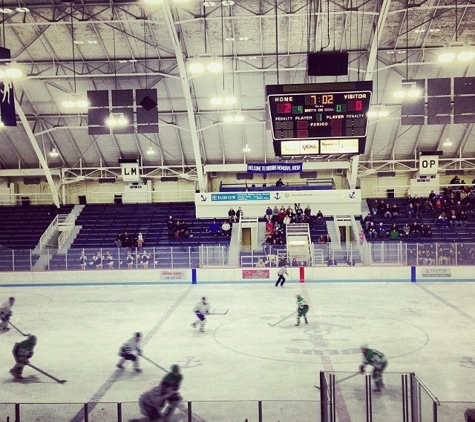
pixel 10 71
pixel 6 11
pixel 23 9
pixel 228 99
pixel 151 151
pixel 408 89
pixel 116 119
pixel 209 3
pixel 459 53
pixel 54 153
pixel 233 118
pixel 378 111
pixel 246 148
pixel 205 62
pixel 75 101
pixel 447 142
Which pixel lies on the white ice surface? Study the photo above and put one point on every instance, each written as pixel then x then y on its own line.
pixel 427 328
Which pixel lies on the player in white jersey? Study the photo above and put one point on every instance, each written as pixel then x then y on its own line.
pixel 6 313
pixel 131 350
pixel 201 310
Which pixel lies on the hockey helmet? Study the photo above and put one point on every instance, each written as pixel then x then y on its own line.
pixel 175 368
pixel 32 339
pixel 138 334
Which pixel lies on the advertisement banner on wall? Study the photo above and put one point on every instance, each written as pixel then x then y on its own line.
pixel 260 274
pixel 437 272
pixel 171 275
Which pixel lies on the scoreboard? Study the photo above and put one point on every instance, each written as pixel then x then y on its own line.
pixel 313 113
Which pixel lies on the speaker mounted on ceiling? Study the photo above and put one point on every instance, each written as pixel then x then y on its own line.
pixel 327 64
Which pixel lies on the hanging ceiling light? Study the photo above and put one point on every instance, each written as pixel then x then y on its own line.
pixel 204 62
pixel 409 89
pixel 54 153
pixel 246 148
pixel 116 119
pixel 151 151
pixel 378 111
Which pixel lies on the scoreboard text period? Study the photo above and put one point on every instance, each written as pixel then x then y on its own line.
pixel 319 115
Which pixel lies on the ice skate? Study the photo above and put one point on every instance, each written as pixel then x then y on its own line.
pixel 137 369
pixel 298 323
pixel 120 366
pixel 16 375
pixel 202 330
pixel 193 325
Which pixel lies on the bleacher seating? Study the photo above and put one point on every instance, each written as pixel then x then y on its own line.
pixel 427 217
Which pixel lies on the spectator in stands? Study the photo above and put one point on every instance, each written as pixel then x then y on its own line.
pixel 387 211
pixel 171 226
pixel 415 230
pixel 83 260
pixel 410 210
pixel 144 260
pixel 368 220
pixel 183 230
pixel 260 263
pixel 287 219
pixel 453 219
pixel 382 233
pixel 226 228
pixel 239 214
pixel 319 218
pixel 295 262
pixel 298 213
pixel 328 238
pixel 97 260
pixel 307 214
pixel 381 207
pixel 372 231
pixel 442 256
pixel 362 236
pixel 374 206
pixel 279 183
pixel 129 259
pixel 406 230
pixel 289 211
pixel 126 240
pixel 426 230
pixel 118 240
pixel 442 220
pixel 394 232
pixel 321 239
pixel 275 214
pixel 462 219
pixel 394 210
pixel 268 214
pixel 214 228
pixel 109 260
pixel 232 215
pixel 140 240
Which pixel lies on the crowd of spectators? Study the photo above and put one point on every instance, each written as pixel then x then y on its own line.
pixel 177 228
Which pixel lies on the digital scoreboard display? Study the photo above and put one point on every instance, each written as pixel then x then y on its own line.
pixel 312 113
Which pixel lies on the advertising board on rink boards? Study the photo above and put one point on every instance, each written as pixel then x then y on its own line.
pixel 254 204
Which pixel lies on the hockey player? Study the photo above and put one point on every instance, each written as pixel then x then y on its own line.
pixel 22 352
pixel 302 309
pixel 379 363
pixel 152 402
pixel 131 350
pixel 201 310
pixel 6 313
pixel 281 273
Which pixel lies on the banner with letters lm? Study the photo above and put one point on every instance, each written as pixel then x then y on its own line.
pixel 428 165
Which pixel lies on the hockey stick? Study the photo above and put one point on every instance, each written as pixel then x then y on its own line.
pixel 219 313
pixel 343 379
pixel 46 374
pixel 16 328
pixel 283 319
pixel 154 363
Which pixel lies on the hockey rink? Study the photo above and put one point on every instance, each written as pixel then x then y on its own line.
pixel 425 327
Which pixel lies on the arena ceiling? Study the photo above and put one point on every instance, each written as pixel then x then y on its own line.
pixel 89 45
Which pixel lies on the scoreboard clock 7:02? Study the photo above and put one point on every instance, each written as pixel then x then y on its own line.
pixel 325 115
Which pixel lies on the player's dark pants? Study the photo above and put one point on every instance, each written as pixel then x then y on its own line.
pixel 129 356
pixel 302 312
pixel 280 280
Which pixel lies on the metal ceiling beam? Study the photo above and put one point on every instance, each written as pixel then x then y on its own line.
pixel 373 52
pixel 187 95
pixel 39 154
